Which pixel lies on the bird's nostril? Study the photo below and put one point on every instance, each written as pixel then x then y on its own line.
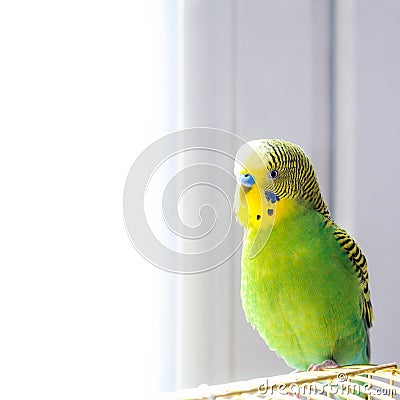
pixel 246 180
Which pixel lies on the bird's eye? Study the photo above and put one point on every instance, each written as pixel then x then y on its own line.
pixel 273 174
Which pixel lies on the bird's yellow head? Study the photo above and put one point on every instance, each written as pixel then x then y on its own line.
pixel 268 172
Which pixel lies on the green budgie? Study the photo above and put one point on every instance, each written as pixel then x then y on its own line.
pixel 304 279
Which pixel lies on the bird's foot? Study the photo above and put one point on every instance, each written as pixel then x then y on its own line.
pixel 323 365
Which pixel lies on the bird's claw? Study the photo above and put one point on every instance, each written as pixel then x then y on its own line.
pixel 323 365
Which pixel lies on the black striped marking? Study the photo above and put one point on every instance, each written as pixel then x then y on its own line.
pixel 296 179
pixel 348 244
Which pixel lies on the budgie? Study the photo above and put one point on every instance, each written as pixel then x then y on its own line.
pixel 304 283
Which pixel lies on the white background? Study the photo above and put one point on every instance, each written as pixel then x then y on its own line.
pixel 80 94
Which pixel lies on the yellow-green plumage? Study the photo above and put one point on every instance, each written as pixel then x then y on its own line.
pixel 306 291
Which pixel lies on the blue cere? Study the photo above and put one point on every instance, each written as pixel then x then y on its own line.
pixel 271 196
pixel 246 180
